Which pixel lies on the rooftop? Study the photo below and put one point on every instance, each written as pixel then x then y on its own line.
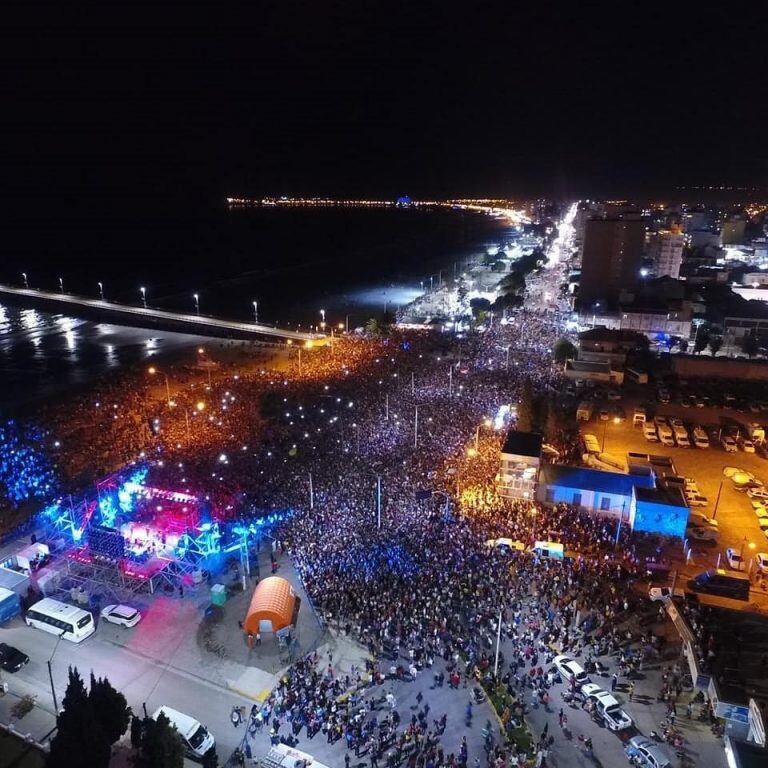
pixel 668 497
pixel 584 479
pixel 522 443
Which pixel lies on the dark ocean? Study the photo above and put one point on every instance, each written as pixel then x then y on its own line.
pixel 292 261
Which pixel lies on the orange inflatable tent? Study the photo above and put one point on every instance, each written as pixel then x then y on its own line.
pixel 273 600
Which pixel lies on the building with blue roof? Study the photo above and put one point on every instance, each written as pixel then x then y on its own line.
pixel 594 490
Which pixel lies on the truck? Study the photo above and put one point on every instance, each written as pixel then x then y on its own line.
pixel 584 411
pixel 10 605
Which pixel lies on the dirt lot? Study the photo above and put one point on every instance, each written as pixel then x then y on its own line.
pixel 738 523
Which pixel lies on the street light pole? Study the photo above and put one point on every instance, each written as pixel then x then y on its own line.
pixel 26 282
pixel 416 427
pixel 50 673
pixel 311 493
pixel 498 644
pixel 477 438
pixel 61 284
pixel 717 500
pixel 386 406
pixel 143 296
pixel 196 297
pixel 299 361
pixel 101 291
pixel 255 311
pixel 378 501
pixel 450 382
pixel 413 382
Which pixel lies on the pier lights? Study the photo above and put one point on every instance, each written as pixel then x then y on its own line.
pixel 61 284
pixel 255 311
pixel 101 290
pixel 322 318
pixel 196 297
pixel 143 296
pixel 26 282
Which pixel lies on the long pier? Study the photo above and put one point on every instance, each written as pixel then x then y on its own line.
pixel 146 317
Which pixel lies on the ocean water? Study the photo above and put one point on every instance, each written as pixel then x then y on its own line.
pixel 292 262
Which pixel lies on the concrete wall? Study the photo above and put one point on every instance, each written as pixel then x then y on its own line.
pixel 690 366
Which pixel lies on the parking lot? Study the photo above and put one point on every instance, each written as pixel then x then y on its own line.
pixel 738 524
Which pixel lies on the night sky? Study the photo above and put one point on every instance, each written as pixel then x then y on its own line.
pixel 134 105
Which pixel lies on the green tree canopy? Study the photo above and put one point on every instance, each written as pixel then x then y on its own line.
pixel 79 741
pixel 564 350
pixel 110 708
pixel 161 745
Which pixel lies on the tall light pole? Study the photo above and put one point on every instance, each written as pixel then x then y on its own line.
pixel 50 672
pixel 311 493
pixel 196 297
pixel 498 643
pixel 255 311
pixel 450 382
pixel 26 282
pixel 378 501
pixel 416 427
pixel 61 284
pixel 152 371
pixel 143 296
pixel 101 291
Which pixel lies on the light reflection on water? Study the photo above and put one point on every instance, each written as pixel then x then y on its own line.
pixel 42 354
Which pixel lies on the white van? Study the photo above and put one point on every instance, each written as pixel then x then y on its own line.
pixel 196 737
pixel 649 432
pixel 548 549
pixel 700 438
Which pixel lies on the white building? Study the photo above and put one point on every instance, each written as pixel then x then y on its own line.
pixel 666 249
pixel 520 460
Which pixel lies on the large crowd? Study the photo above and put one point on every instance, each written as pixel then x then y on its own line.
pixel 417 415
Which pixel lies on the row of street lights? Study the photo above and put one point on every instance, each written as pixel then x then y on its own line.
pixel 143 293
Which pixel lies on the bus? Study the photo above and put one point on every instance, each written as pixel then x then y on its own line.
pixel 62 619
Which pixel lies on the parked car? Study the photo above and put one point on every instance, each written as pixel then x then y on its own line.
pixel 729 444
pixel 747 446
pixel 735 560
pixel 696 518
pixel 124 615
pixel 12 659
pixel 649 753
pixel 757 492
pixel 761 561
pixel 571 671
pixel 701 534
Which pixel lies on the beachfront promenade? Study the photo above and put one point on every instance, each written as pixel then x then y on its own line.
pixel 109 311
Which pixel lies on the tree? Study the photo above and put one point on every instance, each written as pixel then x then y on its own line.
pixel 161 745
pixel 563 350
pixel 110 708
pixel 701 339
pixel 79 741
pixel 479 307
pixel 136 731
pixel 750 344
pixel 715 342
pixel 372 327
